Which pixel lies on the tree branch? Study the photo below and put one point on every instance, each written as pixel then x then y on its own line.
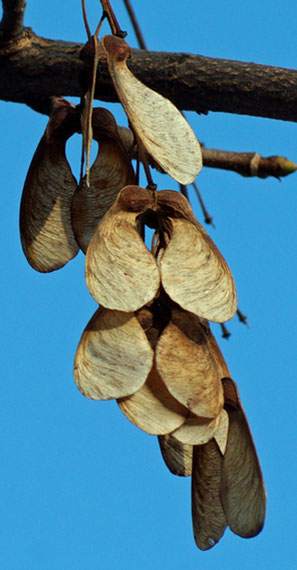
pixel 248 163
pixel 34 68
pixel 11 25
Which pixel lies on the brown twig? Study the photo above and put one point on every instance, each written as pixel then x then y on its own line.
pixel 136 27
pixel 184 191
pixel 239 162
pixel 112 20
pixel 248 163
pixel 207 218
pixel 142 157
pixel 83 6
pixel 11 25
pixel 225 333
pixel 242 318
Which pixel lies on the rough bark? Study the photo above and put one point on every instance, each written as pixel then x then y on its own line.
pixel 32 69
pixel 11 25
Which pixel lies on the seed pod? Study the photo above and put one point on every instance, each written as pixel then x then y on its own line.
pixel 113 357
pixel 177 456
pixel 209 521
pixel 242 489
pixel 203 283
pixel 152 408
pixel 186 365
pixel 110 172
pixel 45 214
pixel 162 129
pixel 198 431
pixel 221 434
pixel 121 273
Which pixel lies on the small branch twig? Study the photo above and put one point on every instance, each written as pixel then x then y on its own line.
pixel 12 23
pixel 225 333
pixel 114 24
pixel 248 163
pixel 242 318
pixel 207 217
pixel 85 19
pixel 136 27
pixel 244 163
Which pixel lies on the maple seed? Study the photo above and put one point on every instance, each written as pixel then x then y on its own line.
pixel 162 129
pixel 203 283
pixel 177 456
pixel 227 483
pixel 114 357
pixel 45 213
pixel 242 488
pixel 209 520
pixel 110 172
pixel 187 367
pixel 121 272
pixel 152 408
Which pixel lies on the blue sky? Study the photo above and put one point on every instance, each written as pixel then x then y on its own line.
pixel 81 487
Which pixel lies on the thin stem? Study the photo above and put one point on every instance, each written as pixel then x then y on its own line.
pixel 207 218
pixel 90 111
pixel 225 333
pixel 100 24
pixel 114 25
pixel 85 18
pixel 184 191
pixel 150 183
pixel 242 318
pixel 142 157
pixel 136 27
pixel 137 173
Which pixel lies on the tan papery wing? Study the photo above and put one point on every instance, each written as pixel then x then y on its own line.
pixel 110 172
pixel 177 456
pixel 113 357
pixel 216 353
pixel 186 365
pixel 242 488
pixel 198 431
pixel 121 273
pixel 45 214
pixel 128 141
pixel 195 274
pixel 209 522
pixel 162 129
pixel 152 408
pixel 221 434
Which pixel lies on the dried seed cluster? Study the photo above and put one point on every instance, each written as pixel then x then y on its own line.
pixel 148 345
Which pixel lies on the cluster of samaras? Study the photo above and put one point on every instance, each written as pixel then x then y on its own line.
pixel 149 345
